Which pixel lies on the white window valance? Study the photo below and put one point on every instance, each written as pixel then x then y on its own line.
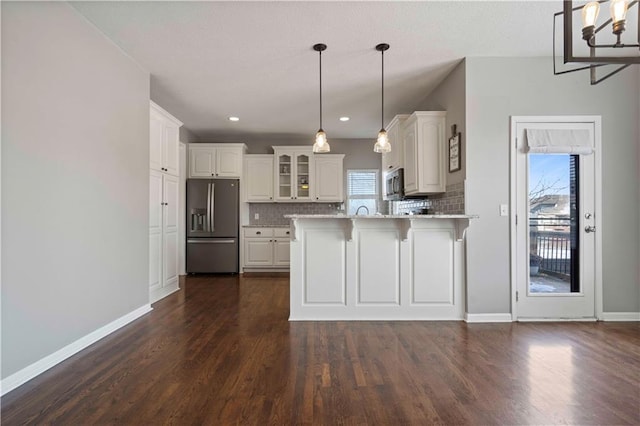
pixel 559 141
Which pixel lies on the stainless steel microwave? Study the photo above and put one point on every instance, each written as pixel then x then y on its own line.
pixel 394 185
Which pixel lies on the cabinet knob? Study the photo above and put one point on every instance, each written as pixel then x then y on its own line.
pixel 258 233
pixel 287 232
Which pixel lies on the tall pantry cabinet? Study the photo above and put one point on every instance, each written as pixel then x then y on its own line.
pixel 163 203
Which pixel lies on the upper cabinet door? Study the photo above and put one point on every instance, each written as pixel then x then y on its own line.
pixel 410 166
pixel 394 159
pixel 201 162
pixel 228 162
pixel 258 178
pixel 328 182
pixel 424 149
pixel 171 149
pixel 294 173
pixel 431 175
pixel 284 177
pixel 164 145
pixel 156 130
pixel 208 160
pixel 304 170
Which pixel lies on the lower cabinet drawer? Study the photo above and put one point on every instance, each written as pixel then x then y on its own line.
pixel 281 232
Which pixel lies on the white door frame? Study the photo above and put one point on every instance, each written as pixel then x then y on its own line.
pixel 597 122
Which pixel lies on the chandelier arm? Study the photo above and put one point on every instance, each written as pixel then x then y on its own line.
pixel 596 81
pixel 616 46
pixel 579 69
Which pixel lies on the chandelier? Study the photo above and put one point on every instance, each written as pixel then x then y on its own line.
pixel 617 52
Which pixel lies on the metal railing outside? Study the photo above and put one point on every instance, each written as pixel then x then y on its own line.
pixel 550 245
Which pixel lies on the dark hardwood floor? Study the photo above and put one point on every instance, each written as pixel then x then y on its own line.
pixel 221 351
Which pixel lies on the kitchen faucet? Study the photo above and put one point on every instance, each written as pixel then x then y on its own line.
pixel 365 207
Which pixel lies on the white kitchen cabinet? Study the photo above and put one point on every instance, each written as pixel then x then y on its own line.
pixel 266 248
pixel 164 149
pixel 394 159
pixel 281 249
pixel 293 173
pixel 258 178
pixel 329 182
pixel 207 160
pixel 163 234
pixel 164 190
pixel 424 153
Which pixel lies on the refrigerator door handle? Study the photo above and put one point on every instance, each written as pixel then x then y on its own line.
pixel 213 205
pixel 208 225
pixel 210 241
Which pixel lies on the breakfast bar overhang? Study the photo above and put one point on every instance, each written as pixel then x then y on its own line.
pixel 379 267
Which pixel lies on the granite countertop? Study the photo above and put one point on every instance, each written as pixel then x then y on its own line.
pixel 381 216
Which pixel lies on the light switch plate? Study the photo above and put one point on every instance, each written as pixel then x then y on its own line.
pixel 504 210
pixel 256 216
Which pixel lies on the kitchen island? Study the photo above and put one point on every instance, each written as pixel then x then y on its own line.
pixel 379 267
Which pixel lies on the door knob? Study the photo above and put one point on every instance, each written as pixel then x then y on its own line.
pixel 589 229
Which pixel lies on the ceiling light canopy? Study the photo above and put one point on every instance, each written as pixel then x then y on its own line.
pixel 382 143
pixel 600 54
pixel 321 145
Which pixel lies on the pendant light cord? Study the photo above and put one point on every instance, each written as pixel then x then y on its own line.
pixel 382 109
pixel 320 52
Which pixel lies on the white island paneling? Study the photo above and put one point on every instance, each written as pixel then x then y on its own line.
pixel 377 267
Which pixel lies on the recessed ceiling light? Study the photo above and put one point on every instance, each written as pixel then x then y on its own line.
pixel 344 118
pixel 234 118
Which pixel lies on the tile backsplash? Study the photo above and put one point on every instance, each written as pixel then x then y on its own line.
pixel 451 202
pixel 273 214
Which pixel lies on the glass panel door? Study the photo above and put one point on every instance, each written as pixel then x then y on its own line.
pixel 555 218
pixel 284 176
pixel 302 176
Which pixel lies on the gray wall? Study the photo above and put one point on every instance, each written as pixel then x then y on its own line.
pixel 75 191
pixel 498 88
pixel 186 135
pixel 450 96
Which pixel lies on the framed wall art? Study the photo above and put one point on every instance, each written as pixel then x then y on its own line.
pixel 455 153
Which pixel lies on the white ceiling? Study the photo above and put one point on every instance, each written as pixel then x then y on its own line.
pixel 211 60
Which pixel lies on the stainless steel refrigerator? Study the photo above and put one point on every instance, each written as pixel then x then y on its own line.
pixel 212 225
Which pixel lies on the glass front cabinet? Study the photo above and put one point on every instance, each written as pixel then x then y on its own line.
pixel 294 173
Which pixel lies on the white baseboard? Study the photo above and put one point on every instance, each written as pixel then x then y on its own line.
pixel 474 318
pixel 542 319
pixel 163 292
pixel 19 378
pixel 620 316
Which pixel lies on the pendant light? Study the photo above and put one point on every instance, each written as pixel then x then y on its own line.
pixel 321 144
pixel 382 143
